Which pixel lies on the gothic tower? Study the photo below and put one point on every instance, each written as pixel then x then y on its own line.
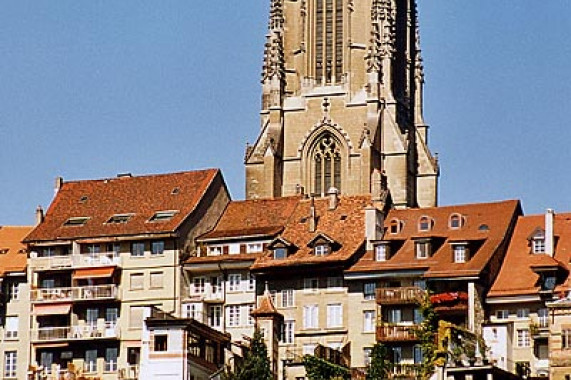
pixel 342 100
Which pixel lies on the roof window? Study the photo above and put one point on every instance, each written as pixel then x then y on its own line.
pixel 119 218
pixel 76 221
pixel 395 226
pixel 83 199
pixel 483 227
pixel 424 223
pixel 175 191
pixel 162 216
pixel 456 221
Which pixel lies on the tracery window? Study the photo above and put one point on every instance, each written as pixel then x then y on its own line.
pixel 328 40
pixel 327 165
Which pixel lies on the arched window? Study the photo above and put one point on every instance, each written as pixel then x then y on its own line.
pixel 327 164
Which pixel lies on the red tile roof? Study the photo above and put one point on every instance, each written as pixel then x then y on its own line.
pixel 141 196
pixel 12 252
pixel 257 217
pixel 345 225
pixel 519 259
pixel 497 217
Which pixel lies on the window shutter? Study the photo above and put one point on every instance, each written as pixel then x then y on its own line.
pixel 225 249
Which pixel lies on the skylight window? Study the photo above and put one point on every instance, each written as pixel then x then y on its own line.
pixel 162 216
pixel 119 218
pixel 76 221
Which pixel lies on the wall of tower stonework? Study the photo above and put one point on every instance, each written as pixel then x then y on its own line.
pixel 427 191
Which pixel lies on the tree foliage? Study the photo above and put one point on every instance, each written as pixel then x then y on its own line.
pixel 319 369
pixel 256 364
pixel 379 366
pixel 427 333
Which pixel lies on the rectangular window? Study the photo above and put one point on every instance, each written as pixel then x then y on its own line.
pixel 14 291
pixel 136 314
pixel 198 285
pixel 114 248
pixel 111 315
pixel 280 253
pixel 111 354
pixel 382 252
pixel 288 332
pixel 523 313
pixel 369 289
pixel 160 343
pixel 192 310
pixel 321 250
pixel 47 252
pixel 566 339
pixel 543 318
pixel 335 315
pixel 538 245
pixel 460 254
pixel 157 247
pixel 93 249
pixel 90 364
pixel 91 316
pixel 215 316
pixel 502 314
pixel 138 249
pixel 137 281
pixel 233 316
pixel 249 310
pixel 367 351
pixel 234 281
pixel 417 316
pixel 10 364
pixel 422 249
pixel 214 250
pixel 397 355
pixel 11 327
pixel 395 315
pixel 251 280
pixel 310 316
pixel 157 280
pixel 310 284
pixel 369 321
pixel 418 354
pixel 335 282
pixel 254 247
pixel 523 338
pixel 287 298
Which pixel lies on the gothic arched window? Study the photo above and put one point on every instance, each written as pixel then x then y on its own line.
pixel 328 43
pixel 327 164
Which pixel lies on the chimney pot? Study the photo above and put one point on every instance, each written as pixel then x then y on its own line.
pixel 39 215
pixel 333 194
pixel 58 183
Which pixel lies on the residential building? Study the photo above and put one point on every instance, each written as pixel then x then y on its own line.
pixel 14 303
pixel 452 251
pixel 342 85
pixel 105 251
pixel 527 303
pixel 219 288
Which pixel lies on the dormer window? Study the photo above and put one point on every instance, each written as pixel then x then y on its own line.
pixel 422 248
pixel 424 223
pixel 460 253
pixel 77 221
pixel 280 253
pixel 455 222
pixel 119 218
pixel 382 252
pixel 163 216
pixel 395 226
pixel 321 250
pixel 215 250
pixel 538 245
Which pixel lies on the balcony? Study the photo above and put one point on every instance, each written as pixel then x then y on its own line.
pixel 208 293
pixel 129 373
pixel 80 293
pixel 405 371
pixel 107 330
pixel 399 296
pixel 387 332
pixel 103 259
pixel 450 302
pixel 539 328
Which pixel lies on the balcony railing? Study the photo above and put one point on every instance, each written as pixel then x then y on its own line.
pixel 106 330
pixel 399 296
pixel 79 293
pixel 208 293
pixel 129 373
pixel 405 371
pixel 396 333
pixel 76 261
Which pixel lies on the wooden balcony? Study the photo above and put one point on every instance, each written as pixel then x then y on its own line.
pixel 103 259
pixel 79 293
pixel 107 330
pixel 399 296
pixel 387 332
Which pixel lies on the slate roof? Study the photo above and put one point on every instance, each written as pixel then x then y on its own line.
pixel 141 196
pixel 12 252
pixel 485 226
pixel 517 275
pixel 345 225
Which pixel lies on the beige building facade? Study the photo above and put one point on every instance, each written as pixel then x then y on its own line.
pixel 342 97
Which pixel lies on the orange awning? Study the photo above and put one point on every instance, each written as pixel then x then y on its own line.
pixel 57 309
pixel 104 272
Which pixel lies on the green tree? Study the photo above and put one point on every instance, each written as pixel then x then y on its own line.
pixel 256 364
pixel 379 366
pixel 426 333
pixel 320 369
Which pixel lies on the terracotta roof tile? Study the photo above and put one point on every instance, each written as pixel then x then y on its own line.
pixel 13 255
pixel 520 260
pixel 254 217
pixel 141 196
pixel 496 217
pixel 266 307
pixel 345 225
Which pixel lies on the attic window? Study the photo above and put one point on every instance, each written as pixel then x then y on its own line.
pixel 119 218
pixel 455 222
pixel 461 254
pixel 483 227
pixel 76 221
pixel 175 191
pixel 395 226
pixel 162 216
pixel 280 253
pixel 321 250
pixel 83 199
pixel 422 248
pixel 424 223
pixel 382 252
pixel 538 245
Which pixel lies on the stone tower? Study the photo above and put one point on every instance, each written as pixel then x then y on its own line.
pixel 341 99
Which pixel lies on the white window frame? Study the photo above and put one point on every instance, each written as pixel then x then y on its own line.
pixel 234 282
pixel 422 250
pixel 321 250
pixel 214 250
pixel 538 245
pixel 334 315
pixel 11 327
pixel 288 298
pixel 523 338
pixel 251 282
pixel 254 247
pixel 502 314
pixel 215 316
pixel 460 253
pixel 523 313
pixel 381 252
pixel 198 285
pixel 233 316
pixel 14 291
pixel 310 316
pixel 369 321
pixel 289 331
pixel 369 290
pixel 10 364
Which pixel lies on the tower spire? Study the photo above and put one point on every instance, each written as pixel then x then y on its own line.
pixel 273 69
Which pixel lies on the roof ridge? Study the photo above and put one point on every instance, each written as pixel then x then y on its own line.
pixel 151 175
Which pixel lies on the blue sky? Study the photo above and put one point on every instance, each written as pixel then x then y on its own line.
pixel 89 89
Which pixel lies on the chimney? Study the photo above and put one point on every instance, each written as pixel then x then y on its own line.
pixel 333 194
pixel 39 215
pixel 312 216
pixel 373 226
pixel 549 236
pixel 58 184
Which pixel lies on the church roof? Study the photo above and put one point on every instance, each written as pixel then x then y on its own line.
pixel 140 205
pixel 520 260
pixel 13 255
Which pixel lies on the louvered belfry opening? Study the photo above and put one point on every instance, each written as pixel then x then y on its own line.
pixel 328 41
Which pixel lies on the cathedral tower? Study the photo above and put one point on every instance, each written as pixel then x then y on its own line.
pixel 342 100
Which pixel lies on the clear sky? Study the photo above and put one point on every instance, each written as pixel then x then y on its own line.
pixel 89 89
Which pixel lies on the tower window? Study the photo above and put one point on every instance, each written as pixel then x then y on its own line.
pixel 328 43
pixel 327 165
